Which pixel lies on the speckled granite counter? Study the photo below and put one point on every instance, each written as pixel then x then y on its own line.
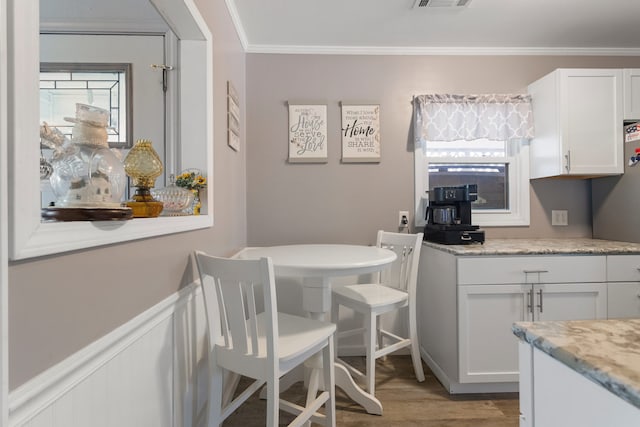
pixel 605 351
pixel 541 247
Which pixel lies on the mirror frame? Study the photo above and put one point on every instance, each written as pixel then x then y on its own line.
pixel 28 235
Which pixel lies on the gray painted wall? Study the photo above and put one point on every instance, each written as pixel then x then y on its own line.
pixel 616 203
pixel 334 202
pixel 60 304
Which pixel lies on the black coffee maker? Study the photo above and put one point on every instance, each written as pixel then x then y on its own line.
pixel 449 216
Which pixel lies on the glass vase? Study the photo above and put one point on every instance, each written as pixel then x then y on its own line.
pixel 196 204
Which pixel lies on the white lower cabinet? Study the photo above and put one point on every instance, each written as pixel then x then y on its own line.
pixel 623 300
pixel 623 275
pixel 488 350
pixel 477 300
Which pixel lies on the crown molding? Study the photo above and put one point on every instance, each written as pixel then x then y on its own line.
pixel 237 23
pixel 467 51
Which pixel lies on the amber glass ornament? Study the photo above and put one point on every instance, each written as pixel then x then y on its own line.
pixel 143 165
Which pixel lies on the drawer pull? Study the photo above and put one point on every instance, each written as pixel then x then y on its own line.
pixel 530 301
pixel 542 271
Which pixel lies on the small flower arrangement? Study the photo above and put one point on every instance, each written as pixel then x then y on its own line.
pixel 191 180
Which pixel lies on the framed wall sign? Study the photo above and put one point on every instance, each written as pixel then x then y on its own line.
pixel 307 133
pixel 360 133
pixel 233 117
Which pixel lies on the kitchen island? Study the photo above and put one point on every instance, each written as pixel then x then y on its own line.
pixel 587 373
pixel 469 296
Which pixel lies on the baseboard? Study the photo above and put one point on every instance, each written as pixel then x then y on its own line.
pixel 454 387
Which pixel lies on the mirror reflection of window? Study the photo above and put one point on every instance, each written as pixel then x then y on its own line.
pixel 106 86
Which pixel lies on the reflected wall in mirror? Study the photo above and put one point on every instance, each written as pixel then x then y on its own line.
pixel 186 116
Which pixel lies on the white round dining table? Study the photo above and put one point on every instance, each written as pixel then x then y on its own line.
pixel 316 265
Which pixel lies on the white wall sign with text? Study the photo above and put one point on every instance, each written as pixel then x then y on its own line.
pixel 307 133
pixel 360 133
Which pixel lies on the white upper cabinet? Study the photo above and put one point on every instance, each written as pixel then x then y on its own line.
pixel 631 87
pixel 578 116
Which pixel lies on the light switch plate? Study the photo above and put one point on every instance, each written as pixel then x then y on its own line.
pixel 559 217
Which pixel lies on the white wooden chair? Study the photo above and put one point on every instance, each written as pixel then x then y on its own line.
pixel 395 290
pixel 261 345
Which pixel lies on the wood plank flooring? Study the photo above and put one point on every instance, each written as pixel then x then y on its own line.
pixel 405 403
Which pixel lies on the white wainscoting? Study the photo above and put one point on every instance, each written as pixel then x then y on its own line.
pixel 148 372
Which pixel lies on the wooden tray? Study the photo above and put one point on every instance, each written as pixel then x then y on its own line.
pixel 86 214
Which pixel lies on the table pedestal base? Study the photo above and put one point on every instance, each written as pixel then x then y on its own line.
pixel 344 381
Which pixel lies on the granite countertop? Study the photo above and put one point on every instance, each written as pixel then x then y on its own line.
pixel 541 247
pixel 605 351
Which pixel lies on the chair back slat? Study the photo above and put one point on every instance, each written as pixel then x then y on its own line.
pixel 229 289
pixel 237 315
pixel 403 272
pixel 252 317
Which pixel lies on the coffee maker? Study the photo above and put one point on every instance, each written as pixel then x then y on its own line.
pixel 449 216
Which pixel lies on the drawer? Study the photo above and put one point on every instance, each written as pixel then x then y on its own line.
pixel 623 268
pixel 623 300
pixel 511 269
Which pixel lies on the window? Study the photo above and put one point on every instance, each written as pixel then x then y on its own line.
pixel 499 168
pixel 475 139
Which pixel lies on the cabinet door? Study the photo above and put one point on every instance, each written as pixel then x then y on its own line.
pixel 623 300
pixel 591 121
pixel 631 91
pixel 570 301
pixel 488 351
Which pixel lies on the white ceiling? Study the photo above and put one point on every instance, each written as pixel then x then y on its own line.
pixel 601 27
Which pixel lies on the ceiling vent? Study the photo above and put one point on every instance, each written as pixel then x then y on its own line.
pixel 442 3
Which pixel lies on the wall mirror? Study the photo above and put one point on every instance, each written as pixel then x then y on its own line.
pixel 59 31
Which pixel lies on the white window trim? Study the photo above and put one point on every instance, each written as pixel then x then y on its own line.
pixel 29 237
pixel 519 187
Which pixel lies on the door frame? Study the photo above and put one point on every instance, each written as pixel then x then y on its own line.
pixel 4 222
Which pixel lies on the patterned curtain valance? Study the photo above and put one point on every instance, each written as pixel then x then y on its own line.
pixel 468 117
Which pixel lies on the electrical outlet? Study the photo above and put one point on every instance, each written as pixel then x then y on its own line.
pixel 559 217
pixel 403 219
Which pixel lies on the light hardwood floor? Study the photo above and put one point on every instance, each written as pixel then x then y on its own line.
pixel 405 403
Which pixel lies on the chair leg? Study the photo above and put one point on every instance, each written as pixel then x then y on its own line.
pixel 273 402
pixel 380 338
pixel 415 347
pixel 335 317
pixel 329 383
pixel 370 344
pixel 216 378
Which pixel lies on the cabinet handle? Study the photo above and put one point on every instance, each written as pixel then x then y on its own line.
pixel 568 157
pixel 530 301
pixel 540 299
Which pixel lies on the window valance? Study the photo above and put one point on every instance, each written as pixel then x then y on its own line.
pixel 467 117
